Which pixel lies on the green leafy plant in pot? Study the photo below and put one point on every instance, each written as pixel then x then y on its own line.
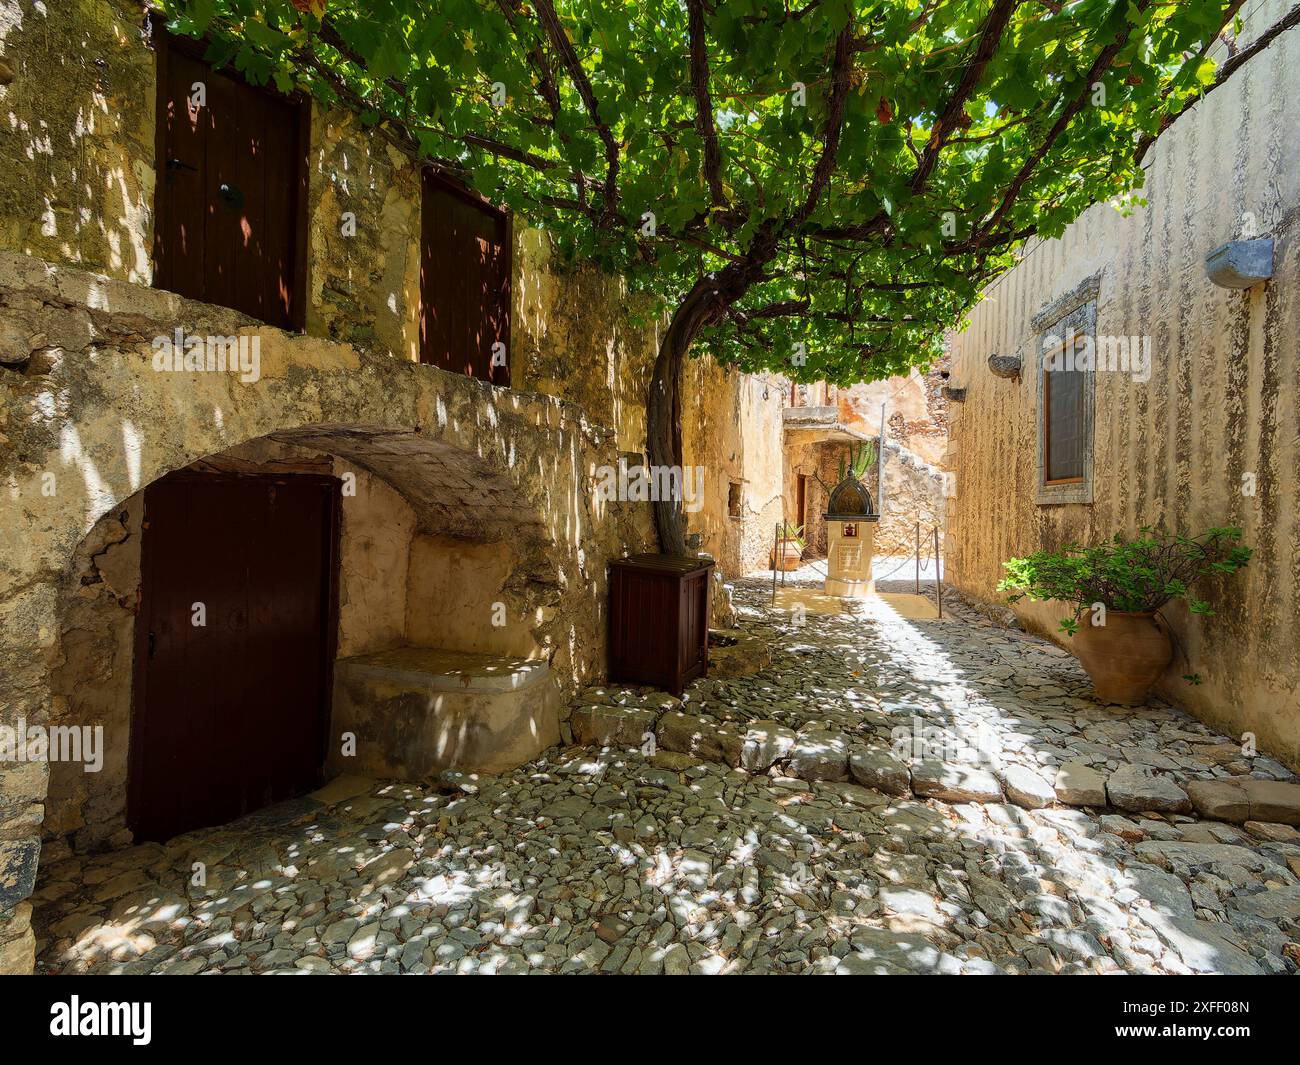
pixel 1123 642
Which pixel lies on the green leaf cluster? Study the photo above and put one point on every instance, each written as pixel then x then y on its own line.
pixel 1138 575
pixel 857 170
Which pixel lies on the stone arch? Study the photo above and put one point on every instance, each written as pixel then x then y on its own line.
pixel 93 429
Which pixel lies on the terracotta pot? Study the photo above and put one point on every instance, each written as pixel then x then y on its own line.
pixel 790 556
pixel 1125 657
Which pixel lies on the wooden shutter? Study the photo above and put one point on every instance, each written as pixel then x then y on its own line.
pixel 230 224
pixel 465 263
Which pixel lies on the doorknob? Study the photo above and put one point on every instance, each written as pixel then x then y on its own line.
pixel 177 164
pixel 231 196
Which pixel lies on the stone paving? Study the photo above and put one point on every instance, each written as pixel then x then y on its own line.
pixel 769 823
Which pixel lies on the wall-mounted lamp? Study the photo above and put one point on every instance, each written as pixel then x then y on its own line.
pixel 1004 365
pixel 1241 263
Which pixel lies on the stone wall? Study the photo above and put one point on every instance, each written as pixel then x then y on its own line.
pixel 575 335
pixel 915 493
pixel 77 139
pixel 437 451
pixel 1172 452
pixel 915 411
pixel 364 286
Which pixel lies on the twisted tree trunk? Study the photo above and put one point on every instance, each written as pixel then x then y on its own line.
pixel 664 407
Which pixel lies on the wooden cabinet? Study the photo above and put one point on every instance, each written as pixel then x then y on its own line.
pixel 659 620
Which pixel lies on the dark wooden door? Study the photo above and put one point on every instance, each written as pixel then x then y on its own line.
pixel 231 715
pixel 230 226
pixel 465 267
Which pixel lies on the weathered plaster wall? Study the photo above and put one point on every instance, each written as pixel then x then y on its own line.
pixel 453 596
pixel 374 561
pixel 77 134
pixel 763 467
pixel 712 440
pixel 915 412
pixel 1221 402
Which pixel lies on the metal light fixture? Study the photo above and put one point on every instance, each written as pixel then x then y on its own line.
pixel 1241 263
pixel 1004 365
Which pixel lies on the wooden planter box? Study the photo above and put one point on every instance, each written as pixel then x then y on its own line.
pixel 659 620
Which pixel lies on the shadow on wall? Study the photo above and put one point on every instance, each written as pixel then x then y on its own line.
pixel 81 71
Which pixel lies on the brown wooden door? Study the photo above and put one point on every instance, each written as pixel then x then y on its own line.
pixel 231 715
pixel 464 282
pixel 230 226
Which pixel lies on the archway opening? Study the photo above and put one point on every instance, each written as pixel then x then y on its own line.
pixel 323 600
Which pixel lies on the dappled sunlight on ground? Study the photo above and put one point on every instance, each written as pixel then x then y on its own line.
pixel 664 861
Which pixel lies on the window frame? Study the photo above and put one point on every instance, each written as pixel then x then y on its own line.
pixel 1077 311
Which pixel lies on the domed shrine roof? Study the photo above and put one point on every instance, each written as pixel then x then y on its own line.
pixel 850 501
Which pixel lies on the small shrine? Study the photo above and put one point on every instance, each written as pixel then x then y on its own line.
pixel 851 533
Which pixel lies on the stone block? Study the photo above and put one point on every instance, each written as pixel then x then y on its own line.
pixel 954 782
pixel 1078 784
pixel 877 768
pixel 1220 800
pixel 1137 789
pixel 689 734
pixel 416 711
pixel 765 742
pixel 1273 800
pixel 600 725
pixel 820 755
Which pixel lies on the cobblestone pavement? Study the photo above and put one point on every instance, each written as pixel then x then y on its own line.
pixel 775 827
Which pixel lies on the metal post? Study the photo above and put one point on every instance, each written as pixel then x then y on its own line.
pixel 918 558
pixel 880 465
pixel 776 543
pixel 938 574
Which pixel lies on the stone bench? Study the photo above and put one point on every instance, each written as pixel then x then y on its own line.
pixel 419 710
